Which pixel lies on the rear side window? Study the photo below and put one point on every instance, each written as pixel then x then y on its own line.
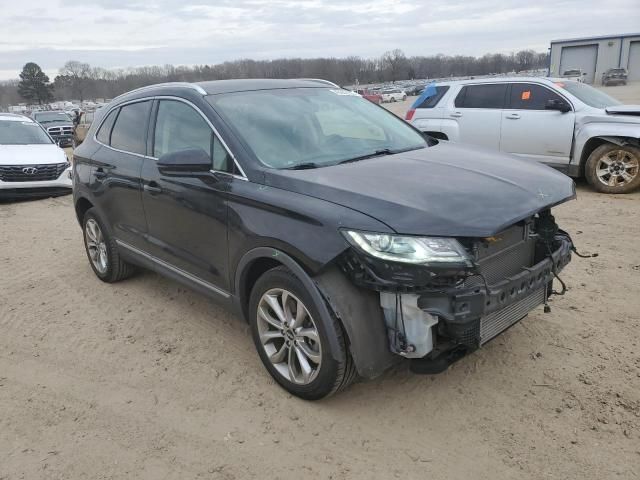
pixel 104 134
pixel 129 131
pixel 481 96
pixel 433 96
pixel 529 96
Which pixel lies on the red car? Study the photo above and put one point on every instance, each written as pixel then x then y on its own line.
pixel 372 97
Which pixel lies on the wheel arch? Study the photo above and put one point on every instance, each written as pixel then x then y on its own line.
pixel 594 141
pixel 260 259
pixel 81 207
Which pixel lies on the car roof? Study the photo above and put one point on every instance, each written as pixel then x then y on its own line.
pixel 217 87
pixel 14 117
pixel 545 80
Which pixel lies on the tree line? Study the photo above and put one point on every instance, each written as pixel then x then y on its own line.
pixel 80 81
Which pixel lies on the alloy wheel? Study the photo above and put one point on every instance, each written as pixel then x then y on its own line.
pixel 289 336
pixel 617 168
pixel 96 246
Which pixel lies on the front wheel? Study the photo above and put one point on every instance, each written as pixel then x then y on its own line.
pixel 292 340
pixel 614 168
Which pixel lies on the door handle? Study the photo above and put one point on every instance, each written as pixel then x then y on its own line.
pixel 456 114
pixel 513 116
pixel 153 188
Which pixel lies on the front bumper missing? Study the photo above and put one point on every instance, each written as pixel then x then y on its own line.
pixel 468 317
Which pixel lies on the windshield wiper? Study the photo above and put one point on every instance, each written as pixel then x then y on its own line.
pixel 303 166
pixel 377 153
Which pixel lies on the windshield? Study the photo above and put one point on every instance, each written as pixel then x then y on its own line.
pixel 22 133
pixel 589 95
pixel 48 117
pixel 313 127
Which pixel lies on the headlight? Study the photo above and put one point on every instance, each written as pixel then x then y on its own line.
pixel 416 250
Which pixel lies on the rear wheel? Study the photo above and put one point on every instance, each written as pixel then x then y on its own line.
pixel 293 342
pixel 614 168
pixel 102 251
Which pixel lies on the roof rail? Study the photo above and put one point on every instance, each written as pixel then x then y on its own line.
pixel 320 80
pixel 193 86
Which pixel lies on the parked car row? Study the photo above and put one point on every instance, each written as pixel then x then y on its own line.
pixel 566 124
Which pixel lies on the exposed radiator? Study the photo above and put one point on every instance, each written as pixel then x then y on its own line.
pixel 496 322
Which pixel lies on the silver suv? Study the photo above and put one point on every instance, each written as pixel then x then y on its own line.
pixel 565 124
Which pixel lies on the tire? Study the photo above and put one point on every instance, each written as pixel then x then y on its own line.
pixel 393 99
pixel 104 257
pixel 324 375
pixel 616 160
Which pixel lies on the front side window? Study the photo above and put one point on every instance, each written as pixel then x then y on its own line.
pixel 482 96
pixel 180 127
pixel 22 133
pixel 529 96
pixel 313 127
pixel 129 131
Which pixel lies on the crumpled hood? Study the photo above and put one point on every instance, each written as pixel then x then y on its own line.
pixel 31 154
pixel 445 190
pixel 623 110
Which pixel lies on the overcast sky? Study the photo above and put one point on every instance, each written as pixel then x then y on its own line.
pixel 124 33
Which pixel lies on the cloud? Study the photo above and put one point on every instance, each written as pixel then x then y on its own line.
pixel 120 33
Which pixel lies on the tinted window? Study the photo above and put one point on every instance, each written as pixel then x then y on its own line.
pixel 432 96
pixel 180 127
pixel 104 134
pixel 129 131
pixel 528 96
pixel 481 96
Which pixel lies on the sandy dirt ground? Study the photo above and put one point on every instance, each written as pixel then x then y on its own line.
pixel 145 379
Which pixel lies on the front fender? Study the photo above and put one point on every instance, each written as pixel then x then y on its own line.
pixel 610 131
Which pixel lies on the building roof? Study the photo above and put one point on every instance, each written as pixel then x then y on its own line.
pixel 602 37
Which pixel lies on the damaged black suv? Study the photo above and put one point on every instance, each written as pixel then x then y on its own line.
pixel 345 238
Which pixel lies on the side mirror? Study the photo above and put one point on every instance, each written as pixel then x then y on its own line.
pixel 191 160
pixel 559 105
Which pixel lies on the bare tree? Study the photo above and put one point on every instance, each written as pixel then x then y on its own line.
pixel 76 75
pixel 396 62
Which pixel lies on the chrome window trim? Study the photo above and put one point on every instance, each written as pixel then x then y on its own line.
pixel 174 269
pixel 183 100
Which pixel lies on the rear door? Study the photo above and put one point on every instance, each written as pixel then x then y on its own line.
pixel 187 213
pixel 116 170
pixel 477 111
pixel 528 129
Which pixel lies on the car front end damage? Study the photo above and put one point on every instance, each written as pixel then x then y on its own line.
pixel 435 313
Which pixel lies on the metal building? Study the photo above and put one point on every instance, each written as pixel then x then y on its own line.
pixel 596 55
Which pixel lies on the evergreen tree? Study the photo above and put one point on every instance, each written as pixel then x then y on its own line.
pixel 34 84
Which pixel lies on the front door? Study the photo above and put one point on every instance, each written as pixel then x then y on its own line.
pixel 529 130
pixel 187 212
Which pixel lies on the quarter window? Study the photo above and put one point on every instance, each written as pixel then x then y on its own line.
pixel 529 96
pixel 104 134
pixel 129 131
pixel 481 96
pixel 180 127
pixel 433 96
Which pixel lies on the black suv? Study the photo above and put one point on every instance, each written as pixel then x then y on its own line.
pixel 345 238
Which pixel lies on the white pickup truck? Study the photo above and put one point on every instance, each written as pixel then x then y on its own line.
pixel 567 124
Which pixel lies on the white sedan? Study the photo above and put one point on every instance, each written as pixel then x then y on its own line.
pixel 31 164
pixel 393 95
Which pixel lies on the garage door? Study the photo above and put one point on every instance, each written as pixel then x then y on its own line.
pixel 583 57
pixel 633 67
